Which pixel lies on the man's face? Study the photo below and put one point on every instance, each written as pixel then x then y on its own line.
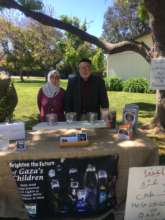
pixel 85 70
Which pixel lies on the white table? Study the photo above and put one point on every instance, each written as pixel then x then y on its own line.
pixel 73 125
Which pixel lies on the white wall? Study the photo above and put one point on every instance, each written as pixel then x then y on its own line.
pixel 129 64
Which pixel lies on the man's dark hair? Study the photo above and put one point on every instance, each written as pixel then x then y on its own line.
pixel 85 60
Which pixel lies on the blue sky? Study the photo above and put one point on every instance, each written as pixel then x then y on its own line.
pixel 91 10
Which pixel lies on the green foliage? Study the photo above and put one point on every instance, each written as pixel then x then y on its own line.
pixel 31 4
pixel 75 21
pixel 34 5
pixel 114 84
pixel 98 61
pixel 142 12
pixel 39 48
pixel 8 98
pixel 74 49
pixel 71 45
pixel 136 85
pixel 32 48
pixel 121 21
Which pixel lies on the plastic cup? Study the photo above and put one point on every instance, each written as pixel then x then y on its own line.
pixel 92 117
pixel 70 117
pixel 51 118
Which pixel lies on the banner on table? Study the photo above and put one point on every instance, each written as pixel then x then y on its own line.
pixel 70 186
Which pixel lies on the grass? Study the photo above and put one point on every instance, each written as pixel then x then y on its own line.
pixel 146 103
pixel 27 110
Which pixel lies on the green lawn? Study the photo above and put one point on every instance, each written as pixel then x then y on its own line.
pixel 26 109
pixel 146 103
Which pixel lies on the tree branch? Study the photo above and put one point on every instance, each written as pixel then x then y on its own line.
pixel 109 48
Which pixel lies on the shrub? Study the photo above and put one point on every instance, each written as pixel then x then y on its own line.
pixel 8 98
pixel 114 84
pixel 140 85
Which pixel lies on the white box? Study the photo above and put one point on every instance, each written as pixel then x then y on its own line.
pixel 13 131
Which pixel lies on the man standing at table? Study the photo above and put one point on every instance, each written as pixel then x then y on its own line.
pixel 86 92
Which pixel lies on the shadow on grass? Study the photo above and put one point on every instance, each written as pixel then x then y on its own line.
pixel 145 106
pixel 146 114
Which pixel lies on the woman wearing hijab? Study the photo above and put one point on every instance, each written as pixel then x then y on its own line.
pixel 51 97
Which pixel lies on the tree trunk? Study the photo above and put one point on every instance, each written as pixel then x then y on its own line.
pixel 156 9
pixel 21 76
pixel 159 119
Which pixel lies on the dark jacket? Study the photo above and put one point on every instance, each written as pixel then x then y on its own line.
pixel 96 98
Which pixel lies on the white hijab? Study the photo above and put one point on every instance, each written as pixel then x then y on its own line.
pixel 49 89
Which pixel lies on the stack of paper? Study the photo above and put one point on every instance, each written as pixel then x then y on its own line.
pixel 13 131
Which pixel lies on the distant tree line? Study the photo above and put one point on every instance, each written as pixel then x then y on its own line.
pixel 34 49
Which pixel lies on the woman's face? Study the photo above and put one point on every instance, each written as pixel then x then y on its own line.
pixel 55 79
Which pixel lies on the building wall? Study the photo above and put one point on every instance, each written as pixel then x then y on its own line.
pixel 129 64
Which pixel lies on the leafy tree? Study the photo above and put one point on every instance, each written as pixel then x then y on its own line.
pixel 75 21
pixel 121 22
pixel 8 98
pixel 35 5
pixel 74 49
pixel 47 52
pixel 98 61
pixel 108 47
pixel 33 48
pixel 155 10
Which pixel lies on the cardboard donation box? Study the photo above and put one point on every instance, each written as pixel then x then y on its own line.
pixel 130 115
pixel 128 129
pixel 125 132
